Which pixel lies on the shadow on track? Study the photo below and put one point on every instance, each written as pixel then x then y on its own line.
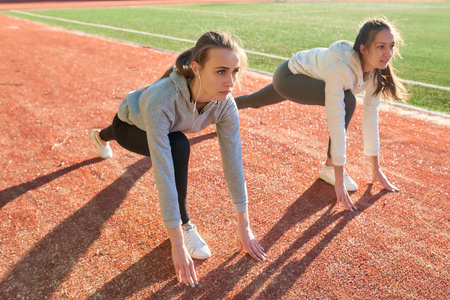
pixel 11 193
pixel 48 263
pixel 219 282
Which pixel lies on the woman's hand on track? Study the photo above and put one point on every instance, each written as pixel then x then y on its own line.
pixel 343 197
pixel 184 266
pixel 247 241
pixel 378 176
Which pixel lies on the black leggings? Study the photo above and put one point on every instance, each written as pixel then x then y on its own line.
pixel 298 88
pixel 135 140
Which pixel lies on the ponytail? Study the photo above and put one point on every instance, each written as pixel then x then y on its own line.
pixel 199 53
pixel 182 64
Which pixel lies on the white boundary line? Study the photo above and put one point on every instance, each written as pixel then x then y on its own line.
pixel 103 26
pixel 248 51
pixel 191 41
pixel 394 103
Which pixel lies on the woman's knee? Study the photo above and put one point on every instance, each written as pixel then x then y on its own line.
pixel 280 76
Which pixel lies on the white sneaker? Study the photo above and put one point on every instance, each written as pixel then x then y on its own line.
pixel 103 150
pixel 327 175
pixel 194 243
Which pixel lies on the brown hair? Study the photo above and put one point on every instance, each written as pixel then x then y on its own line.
pixel 388 83
pixel 199 53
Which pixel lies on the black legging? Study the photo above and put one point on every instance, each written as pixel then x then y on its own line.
pixel 298 88
pixel 135 140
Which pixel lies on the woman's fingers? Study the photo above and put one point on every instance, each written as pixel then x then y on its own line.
pixel 179 276
pixel 348 204
pixel 193 275
pixel 184 267
pixel 256 251
pixel 259 251
pixel 381 178
pixel 389 186
pixel 187 275
pixel 240 246
pixel 344 198
pixel 251 246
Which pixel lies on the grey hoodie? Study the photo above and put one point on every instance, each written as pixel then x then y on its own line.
pixel 165 107
pixel 340 68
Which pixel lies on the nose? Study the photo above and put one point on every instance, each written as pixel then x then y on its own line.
pixel 391 52
pixel 231 80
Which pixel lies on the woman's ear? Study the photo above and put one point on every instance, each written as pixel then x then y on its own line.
pixel 195 67
pixel 362 49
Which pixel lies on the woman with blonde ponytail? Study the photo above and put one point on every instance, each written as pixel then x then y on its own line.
pixel 153 120
pixel 331 77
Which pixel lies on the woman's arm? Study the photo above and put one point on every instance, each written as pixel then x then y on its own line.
pixel 246 239
pixel 378 175
pixel 231 153
pixel 371 136
pixel 338 80
pixel 182 261
pixel 341 192
pixel 231 150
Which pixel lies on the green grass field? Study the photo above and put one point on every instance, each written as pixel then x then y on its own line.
pixel 282 29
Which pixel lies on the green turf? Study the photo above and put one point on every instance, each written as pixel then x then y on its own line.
pixel 285 28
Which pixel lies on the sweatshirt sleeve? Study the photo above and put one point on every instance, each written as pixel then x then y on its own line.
pixel 157 125
pixel 337 80
pixel 370 122
pixel 231 152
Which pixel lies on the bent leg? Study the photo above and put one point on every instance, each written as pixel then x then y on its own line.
pixel 107 134
pixel 303 89
pixel 263 97
pixel 130 137
pixel 181 148
pixel 135 140
pixel 266 96
pixel 298 88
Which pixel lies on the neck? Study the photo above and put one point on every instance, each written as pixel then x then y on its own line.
pixel 196 96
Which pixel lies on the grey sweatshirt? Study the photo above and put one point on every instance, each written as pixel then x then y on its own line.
pixel 164 107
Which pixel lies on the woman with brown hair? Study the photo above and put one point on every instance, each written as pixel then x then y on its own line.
pixel 152 120
pixel 331 77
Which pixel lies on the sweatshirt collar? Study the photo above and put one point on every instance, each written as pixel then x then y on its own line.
pixel 181 84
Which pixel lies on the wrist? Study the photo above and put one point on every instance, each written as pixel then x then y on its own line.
pixel 339 174
pixel 176 237
pixel 375 162
pixel 242 219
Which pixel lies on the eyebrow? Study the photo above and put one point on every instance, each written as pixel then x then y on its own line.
pixel 226 68
pixel 393 42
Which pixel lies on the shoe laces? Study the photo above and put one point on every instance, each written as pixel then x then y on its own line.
pixel 192 237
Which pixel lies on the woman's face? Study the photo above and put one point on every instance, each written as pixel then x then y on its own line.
pixel 218 74
pixel 379 53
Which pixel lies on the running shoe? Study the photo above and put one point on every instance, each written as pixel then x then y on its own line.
pixel 327 175
pixel 103 150
pixel 194 243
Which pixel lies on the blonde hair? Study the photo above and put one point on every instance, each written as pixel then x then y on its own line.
pixel 199 53
pixel 388 83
